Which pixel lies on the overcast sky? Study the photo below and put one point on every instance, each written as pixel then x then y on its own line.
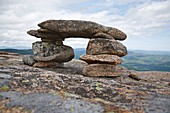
pixel 146 22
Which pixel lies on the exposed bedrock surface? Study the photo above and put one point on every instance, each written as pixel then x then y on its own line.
pixel 28 89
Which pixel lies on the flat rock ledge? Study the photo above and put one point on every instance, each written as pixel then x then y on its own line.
pixel 28 89
pixel 49 103
pixel 77 28
pixel 103 58
pixel 105 70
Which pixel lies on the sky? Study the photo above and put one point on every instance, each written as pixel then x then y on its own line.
pixel 146 22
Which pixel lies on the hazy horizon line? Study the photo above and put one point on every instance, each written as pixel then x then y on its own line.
pixel 27 48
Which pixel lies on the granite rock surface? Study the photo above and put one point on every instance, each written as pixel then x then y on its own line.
pixel 105 46
pixel 84 29
pixel 103 58
pixel 31 89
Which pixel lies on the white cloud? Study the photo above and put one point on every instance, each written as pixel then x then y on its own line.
pixel 143 18
pixel 149 17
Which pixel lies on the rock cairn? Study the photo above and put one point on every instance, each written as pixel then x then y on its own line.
pixel 102 54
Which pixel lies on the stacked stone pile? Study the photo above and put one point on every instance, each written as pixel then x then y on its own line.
pixel 102 54
pixel 50 53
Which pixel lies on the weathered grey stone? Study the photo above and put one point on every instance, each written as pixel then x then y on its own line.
pixel 45 31
pixel 120 94
pixel 49 103
pixel 57 42
pixel 5 76
pixel 29 60
pixel 44 35
pixel 102 70
pixel 4 82
pixel 84 29
pixel 103 58
pixel 3 58
pixel 105 46
pixel 48 64
pixel 49 51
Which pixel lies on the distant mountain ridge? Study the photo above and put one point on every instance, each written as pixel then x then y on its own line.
pixel 19 51
pixel 140 60
pixel 151 52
